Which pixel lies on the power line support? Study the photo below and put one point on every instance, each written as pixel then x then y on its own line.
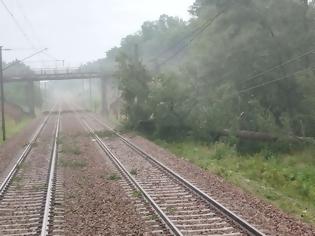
pixel 30 91
pixel 2 97
pixel 90 88
pixel 104 96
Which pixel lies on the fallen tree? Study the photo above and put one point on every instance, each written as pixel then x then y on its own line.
pixel 264 137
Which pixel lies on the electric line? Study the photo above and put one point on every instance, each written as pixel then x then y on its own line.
pixel 199 32
pixel 27 20
pixel 272 81
pixel 19 26
pixel 253 77
pixel 33 30
pixel 24 59
pixel 17 23
pixel 182 40
pixel 282 64
pixel 51 56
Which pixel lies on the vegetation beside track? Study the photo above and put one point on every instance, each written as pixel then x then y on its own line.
pixel 284 179
pixel 13 127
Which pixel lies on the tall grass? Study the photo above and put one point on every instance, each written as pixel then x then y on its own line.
pixel 13 127
pixel 286 180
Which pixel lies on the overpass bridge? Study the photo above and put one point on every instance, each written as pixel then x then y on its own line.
pixel 47 74
pixel 55 74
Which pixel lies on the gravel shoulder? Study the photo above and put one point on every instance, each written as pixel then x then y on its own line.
pixel 13 147
pixel 94 204
pixel 251 208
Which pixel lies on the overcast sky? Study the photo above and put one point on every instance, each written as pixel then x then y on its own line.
pixel 77 30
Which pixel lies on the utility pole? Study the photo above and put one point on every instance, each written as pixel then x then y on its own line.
pixel 2 97
pixel 136 53
pixel 90 85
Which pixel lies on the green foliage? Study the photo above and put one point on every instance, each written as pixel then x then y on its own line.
pixel 287 180
pixel 134 83
pixel 205 89
pixel 71 149
pixel 114 176
pixel 13 127
pixel 17 92
pixel 134 171
pixel 136 194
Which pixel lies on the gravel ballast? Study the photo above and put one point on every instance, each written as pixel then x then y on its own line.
pixel 94 204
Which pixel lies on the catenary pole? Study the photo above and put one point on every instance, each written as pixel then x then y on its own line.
pixel 2 97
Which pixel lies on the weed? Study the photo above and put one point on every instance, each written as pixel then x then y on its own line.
pixel 17 179
pixel 114 176
pixel 60 140
pixel 105 134
pixel 75 164
pixel 37 187
pixel 153 217
pixel 13 127
pixel 34 144
pixel 134 171
pixel 75 150
pixel 25 144
pixel 24 166
pixel 171 210
pixel 136 194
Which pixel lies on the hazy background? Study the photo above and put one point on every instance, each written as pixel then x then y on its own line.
pixel 76 31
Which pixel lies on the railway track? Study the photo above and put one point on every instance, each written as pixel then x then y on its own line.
pixel 183 208
pixel 29 193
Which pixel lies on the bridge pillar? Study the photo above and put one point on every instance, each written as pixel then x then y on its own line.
pixel 104 105
pixel 30 93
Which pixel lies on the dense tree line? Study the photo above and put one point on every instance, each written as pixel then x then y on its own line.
pixel 237 65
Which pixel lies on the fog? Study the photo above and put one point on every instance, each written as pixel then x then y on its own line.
pixel 76 31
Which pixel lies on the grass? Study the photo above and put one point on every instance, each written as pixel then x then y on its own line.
pixel 285 180
pixel 134 171
pixel 74 164
pixel 13 127
pixel 114 177
pixel 171 210
pixel 71 149
pixel 17 179
pixel 105 134
pixel 136 194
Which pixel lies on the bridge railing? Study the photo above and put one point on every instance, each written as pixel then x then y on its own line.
pixel 56 71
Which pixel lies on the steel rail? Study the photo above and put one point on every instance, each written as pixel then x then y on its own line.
pixel 243 224
pixel 22 157
pixel 132 180
pixel 51 176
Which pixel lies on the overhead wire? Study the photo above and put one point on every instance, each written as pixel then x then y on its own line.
pixel 258 75
pixel 21 29
pixel 19 26
pixel 27 20
pixel 33 30
pixel 183 43
pixel 194 36
pixel 255 76
pixel 273 81
pixel 24 59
